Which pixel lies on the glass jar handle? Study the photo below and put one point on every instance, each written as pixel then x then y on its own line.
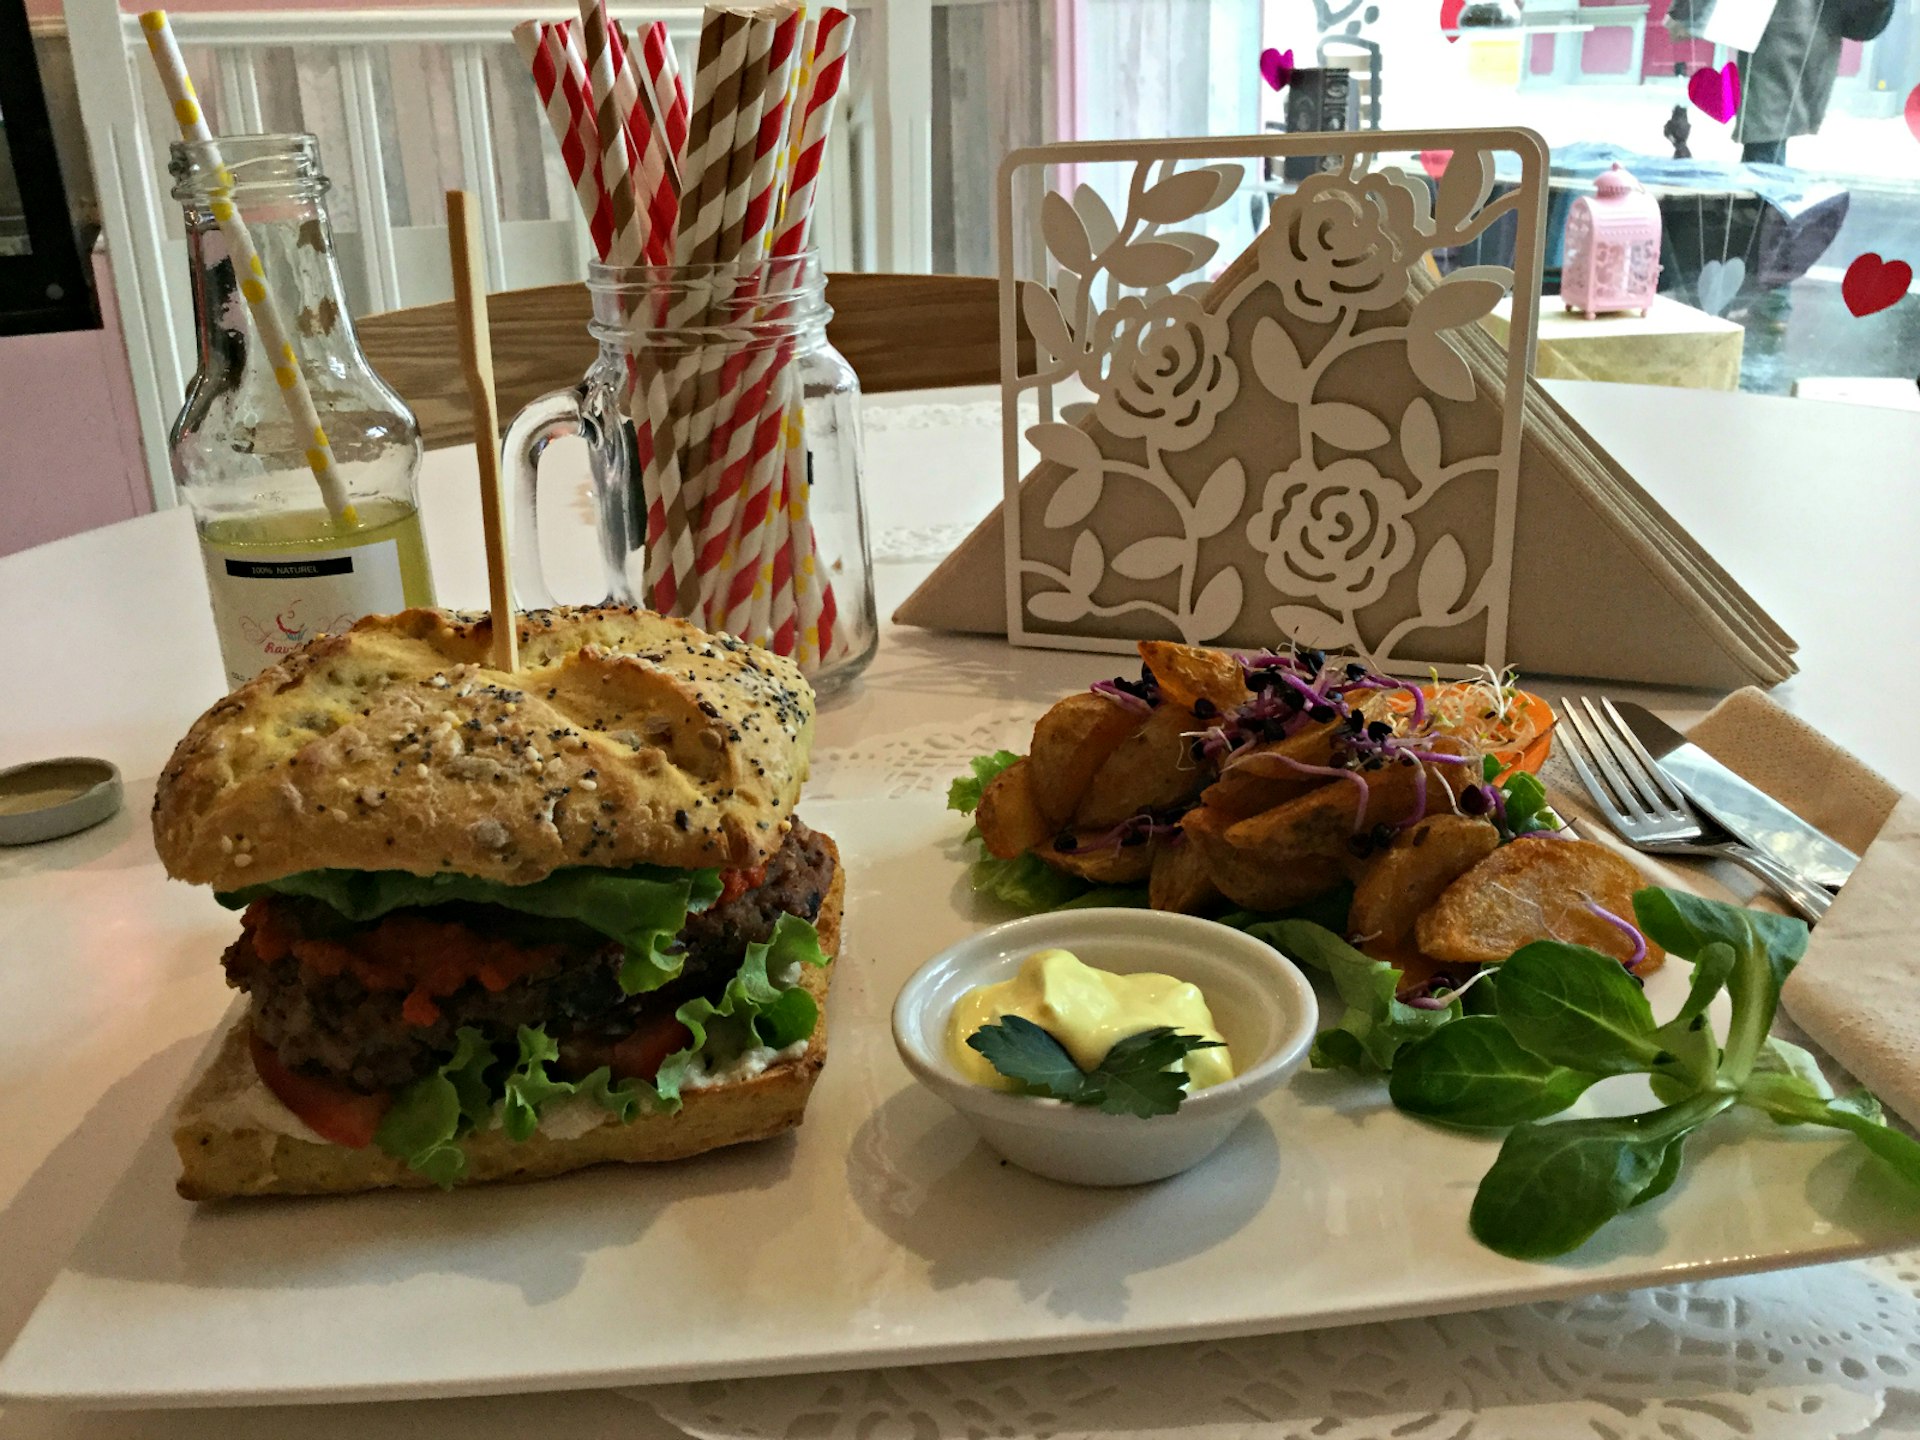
pixel 543 421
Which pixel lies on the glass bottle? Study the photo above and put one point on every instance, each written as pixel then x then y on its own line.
pixel 280 568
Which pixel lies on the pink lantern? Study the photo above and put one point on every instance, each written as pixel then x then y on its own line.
pixel 1612 252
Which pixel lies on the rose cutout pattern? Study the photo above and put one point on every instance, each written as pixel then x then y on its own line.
pixel 1168 375
pixel 1338 534
pixel 1338 245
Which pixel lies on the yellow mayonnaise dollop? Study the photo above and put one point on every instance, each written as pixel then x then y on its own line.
pixel 1087 1011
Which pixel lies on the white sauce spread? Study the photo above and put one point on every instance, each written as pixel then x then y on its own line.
pixel 254 1107
pixel 744 1066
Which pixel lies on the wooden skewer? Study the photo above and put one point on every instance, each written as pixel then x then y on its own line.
pixel 476 359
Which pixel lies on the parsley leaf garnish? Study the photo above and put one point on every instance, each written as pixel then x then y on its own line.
pixel 1133 1079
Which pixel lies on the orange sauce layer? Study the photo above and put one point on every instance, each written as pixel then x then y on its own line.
pixel 406 951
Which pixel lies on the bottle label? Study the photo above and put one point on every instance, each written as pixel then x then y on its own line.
pixel 265 606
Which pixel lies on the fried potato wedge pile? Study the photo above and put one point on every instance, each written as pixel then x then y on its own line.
pixel 1221 783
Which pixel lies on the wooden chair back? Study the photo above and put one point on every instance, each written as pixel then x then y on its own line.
pixel 899 332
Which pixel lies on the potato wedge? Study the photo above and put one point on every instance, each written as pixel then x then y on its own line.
pixel 1252 785
pixel 1104 864
pixel 1179 880
pixel 1257 878
pixel 1152 769
pixel 1188 674
pixel 1401 882
pixel 1323 820
pixel 1070 744
pixel 1535 889
pixel 1009 819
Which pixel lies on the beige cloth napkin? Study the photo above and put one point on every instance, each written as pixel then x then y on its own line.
pixel 1857 992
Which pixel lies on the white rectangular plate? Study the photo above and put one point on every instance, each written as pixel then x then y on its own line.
pixel 881 1232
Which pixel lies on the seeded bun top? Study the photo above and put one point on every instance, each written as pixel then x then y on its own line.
pixel 624 738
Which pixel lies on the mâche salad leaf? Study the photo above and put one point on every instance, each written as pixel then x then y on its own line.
pixel 762 1005
pixel 643 907
pixel 1133 1078
pixel 1566 1017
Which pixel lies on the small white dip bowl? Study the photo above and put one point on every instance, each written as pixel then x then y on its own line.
pixel 1261 1004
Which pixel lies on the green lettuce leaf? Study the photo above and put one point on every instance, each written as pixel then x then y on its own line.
pixel 755 1009
pixel 1375 1026
pixel 643 908
pixel 426 1120
pixel 760 1006
pixel 530 1092
pixel 964 794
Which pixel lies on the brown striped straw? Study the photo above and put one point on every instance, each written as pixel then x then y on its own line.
pixel 763 85
pixel 669 563
pixel 610 124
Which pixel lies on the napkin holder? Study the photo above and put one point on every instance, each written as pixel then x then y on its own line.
pixel 1322 444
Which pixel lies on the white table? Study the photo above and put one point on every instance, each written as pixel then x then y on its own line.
pixel 1814 507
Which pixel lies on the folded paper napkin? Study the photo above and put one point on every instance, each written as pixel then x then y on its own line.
pixel 1857 992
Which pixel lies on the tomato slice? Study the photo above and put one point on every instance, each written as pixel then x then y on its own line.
pixel 1527 715
pixel 1531 756
pixel 332 1111
pixel 644 1051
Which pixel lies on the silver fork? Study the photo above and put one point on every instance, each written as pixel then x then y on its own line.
pixel 1648 811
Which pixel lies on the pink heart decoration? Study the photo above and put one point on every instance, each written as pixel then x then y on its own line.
pixel 1276 68
pixel 1450 18
pixel 1913 111
pixel 1716 92
pixel 1872 284
pixel 1434 162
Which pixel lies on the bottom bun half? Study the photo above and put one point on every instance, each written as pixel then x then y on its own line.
pixel 221 1160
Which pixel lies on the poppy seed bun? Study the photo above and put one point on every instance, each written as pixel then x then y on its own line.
pixel 624 738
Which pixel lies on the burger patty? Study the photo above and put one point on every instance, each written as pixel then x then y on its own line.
pixel 559 974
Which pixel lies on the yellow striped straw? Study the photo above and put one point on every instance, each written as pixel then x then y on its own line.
pixel 796 119
pixel 246 263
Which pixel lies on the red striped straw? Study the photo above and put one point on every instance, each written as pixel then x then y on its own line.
pixel 572 126
pixel 656 177
pixel 759 133
pixel 661 68
pixel 730 515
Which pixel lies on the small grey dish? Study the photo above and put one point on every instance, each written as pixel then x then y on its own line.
pixel 1260 1002
pixel 47 799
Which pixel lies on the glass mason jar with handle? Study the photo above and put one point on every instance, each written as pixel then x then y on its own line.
pixel 722 429
pixel 280 567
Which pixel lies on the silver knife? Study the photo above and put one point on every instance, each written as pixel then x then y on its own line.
pixel 1745 812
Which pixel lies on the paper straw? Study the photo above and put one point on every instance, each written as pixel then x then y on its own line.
pixel 796 118
pixel 724 40
pixel 544 49
pixel 716 96
pixel 624 248
pixel 656 176
pixel 669 544
pixel 783 600
pixel 760 121
pixel 661 68
pixel 728 513
pixel 246 264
